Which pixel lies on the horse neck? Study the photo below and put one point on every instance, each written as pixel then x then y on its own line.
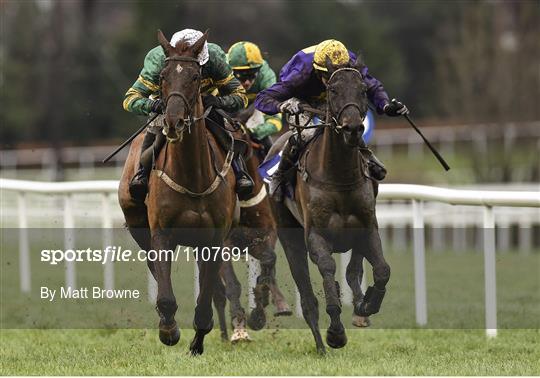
pixel 192 155
pixel 339 163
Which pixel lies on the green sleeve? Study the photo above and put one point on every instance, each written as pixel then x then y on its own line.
pixel 272 123
pixel 136 99
pixel 267 75
pixel 232 94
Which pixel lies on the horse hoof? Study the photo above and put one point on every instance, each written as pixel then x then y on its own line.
pixel 321 350
pixel 224 336
pixel 360 321
pixel 336 340
pixel 257 319
pixel 240 335
pixel 196 348
pixel 283 311
pixel 169 335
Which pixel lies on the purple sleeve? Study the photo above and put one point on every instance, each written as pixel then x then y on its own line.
pixel 292 76
pixel 375 91
pixel 268 100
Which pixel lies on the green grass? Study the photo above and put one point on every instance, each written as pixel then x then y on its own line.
pixel 289 352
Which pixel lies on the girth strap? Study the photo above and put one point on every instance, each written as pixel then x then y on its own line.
pixel 183 190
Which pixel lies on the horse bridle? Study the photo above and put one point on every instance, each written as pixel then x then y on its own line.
pixel 189 120
pixel 335 119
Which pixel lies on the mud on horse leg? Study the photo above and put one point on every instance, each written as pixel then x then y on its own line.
pixel 320 253
pixel 233 291
pixel 381 274
pixel 169 334
pixel 295 251
pixel 202 321
pixel 354 274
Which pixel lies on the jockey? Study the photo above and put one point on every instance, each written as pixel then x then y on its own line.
pixel 142 99
pixel 254 73
pixel 303 78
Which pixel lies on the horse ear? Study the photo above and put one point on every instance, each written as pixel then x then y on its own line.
pixel 163 42
pixel 197 46
pixel 359 63
pixel 329 64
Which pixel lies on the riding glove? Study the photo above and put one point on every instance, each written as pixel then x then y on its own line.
pixel 211 100
pixel 395 109
pixel 158 106
pixel 291 106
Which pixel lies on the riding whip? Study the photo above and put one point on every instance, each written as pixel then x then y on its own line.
pixel 433 150
pixel 128 141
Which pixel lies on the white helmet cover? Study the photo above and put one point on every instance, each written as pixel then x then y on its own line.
pixel 191 36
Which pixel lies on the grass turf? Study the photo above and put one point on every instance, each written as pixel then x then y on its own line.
pixel 289 352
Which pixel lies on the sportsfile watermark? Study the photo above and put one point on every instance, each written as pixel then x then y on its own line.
pixel 101 278
pixel 120 254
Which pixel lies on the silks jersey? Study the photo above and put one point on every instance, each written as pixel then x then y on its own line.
pixel 298 79
pixel 216 75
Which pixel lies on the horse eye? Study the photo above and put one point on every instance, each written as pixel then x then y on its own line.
pixel 195 77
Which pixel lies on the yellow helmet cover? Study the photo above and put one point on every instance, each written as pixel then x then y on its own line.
pixel 334 50
pixel 244 56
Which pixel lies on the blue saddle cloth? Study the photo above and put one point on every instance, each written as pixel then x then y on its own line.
pixel 267 168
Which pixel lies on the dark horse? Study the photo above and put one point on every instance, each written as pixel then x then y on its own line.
pixel 187 190
pixel 256 231
pixel 334 203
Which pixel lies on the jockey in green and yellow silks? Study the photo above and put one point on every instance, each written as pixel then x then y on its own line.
pixel 255 75
pixel 217 77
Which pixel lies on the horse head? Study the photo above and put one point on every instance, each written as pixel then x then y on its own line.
pixel 180 82
pixel 347 100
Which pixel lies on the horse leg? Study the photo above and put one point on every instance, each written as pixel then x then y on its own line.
pixel 295 251
pixel 320 253
pixel 169 334
pixel 202 321
pixel 373 298
pixel 268 270
pixel 233 291
pixel 220 300
pixel 267 259
pixel 353 274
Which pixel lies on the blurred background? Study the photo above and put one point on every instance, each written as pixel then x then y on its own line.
pixel 468 70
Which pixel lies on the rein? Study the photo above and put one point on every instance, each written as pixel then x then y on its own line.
pixel 188 122
pixel 334 125
pixel 334 120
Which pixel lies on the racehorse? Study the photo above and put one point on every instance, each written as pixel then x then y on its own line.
pixel 333 209
pixel 255 231
pixel 191 201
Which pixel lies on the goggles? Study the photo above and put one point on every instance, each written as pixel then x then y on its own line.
pixel 244 75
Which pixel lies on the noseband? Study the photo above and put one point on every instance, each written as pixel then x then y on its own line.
pixel 335 124
pixel 189 120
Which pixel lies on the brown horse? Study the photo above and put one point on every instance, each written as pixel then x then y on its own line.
pixel 333 210
pixel 191 201
pixel 255 231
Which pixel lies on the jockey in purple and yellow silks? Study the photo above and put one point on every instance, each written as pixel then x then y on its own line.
pixel 303 79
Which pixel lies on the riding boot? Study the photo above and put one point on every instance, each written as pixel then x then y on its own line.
pixel 377 170
pixel 138 186
pixel 288 160
pixel 244 183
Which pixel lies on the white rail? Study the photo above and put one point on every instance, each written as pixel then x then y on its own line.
pixel 417 194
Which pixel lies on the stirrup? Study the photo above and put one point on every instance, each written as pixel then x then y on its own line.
pixel 244 186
